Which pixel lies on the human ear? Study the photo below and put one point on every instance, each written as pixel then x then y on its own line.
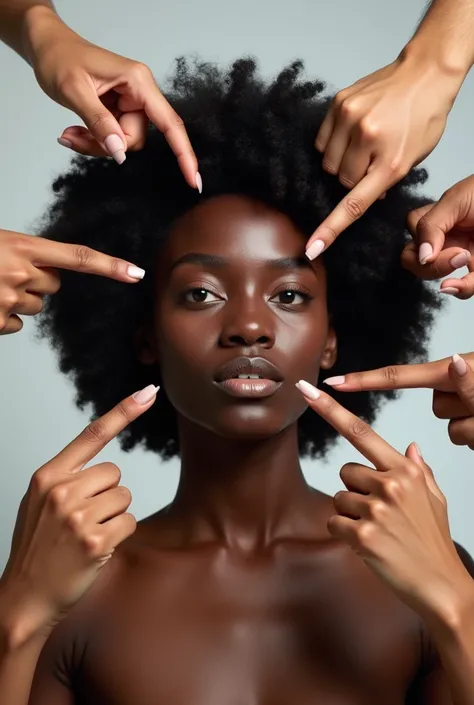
pixel 145 345
pixel 329 356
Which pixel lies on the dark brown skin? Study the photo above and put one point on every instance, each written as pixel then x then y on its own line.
pixel 236 594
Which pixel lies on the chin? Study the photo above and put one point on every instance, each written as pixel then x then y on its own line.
pixel 251 422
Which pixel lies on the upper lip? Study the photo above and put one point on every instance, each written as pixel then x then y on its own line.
pixel 248 366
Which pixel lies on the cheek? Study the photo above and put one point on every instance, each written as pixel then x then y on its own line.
pixel 184 343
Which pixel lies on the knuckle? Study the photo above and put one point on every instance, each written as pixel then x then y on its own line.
pixel 437 405
pixel 339 99
pixel 82 256
pixel 365 533
pixel 359 428
pixel 349 109
pixel 377 510
pixel 9 299
pixel 413 472
pixel 346 181
pixel 57 497
pixel 94 432
pixel 98 118
pixel 390 375
pixel 140 72
pixel 355 207
pixel 75 520
pixel 329 167
pixel 130 522
pixel 369 129
pixel 41 480
pixel 93 545
pixel 392 489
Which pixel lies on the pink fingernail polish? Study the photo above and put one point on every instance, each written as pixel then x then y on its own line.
pixel 198 182
pixel 135 272
pixel 315 249
pixel 64 142
pixel 145 395
pixel 424 252
pixel 450 290
pixel 307 389
pixel 460 260
pixel 459 365
pixel 115 147
pixel 335 381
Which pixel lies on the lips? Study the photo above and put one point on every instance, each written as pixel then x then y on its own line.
pixel 249 377
pixel 248 366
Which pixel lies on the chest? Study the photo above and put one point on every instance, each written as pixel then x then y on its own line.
pixel 299 646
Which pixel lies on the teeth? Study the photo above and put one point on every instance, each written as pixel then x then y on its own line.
pixel 249 377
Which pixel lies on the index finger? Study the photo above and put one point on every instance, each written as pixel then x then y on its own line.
pixel 357 432
pixel 350 209
pixel 101 431
pixel 79 258
pixel 172 126
pixel 430 375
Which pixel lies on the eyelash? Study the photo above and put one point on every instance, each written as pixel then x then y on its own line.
pixel 297 289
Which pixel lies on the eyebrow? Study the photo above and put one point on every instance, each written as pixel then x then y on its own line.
pixel 218 262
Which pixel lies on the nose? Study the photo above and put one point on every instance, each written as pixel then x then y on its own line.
pixel 247 323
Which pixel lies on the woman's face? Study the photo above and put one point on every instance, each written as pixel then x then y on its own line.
pixel 236 296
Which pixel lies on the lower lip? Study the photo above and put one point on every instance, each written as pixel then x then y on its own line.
pixel 249 388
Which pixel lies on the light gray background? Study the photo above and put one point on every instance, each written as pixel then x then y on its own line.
pixel 340 41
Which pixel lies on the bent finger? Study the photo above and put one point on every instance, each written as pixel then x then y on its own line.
pixel 461 432
pixel 13 324
pixel 448 261
pixel 448 405
pixel 350 209
pixel 462 376
pixel 459 288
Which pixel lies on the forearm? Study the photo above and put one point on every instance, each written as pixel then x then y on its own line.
pixel 24 630
pixel 453 638
pixel 446 36
pixel 18 18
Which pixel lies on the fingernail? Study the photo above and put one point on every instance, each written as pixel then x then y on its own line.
pixel 307 389
pixel 450 290
pixel 135 272
pixel 424 252
pixel 460 260
pixel 459 365
pixel 64 142
pixel 335 381
pixel 145 395
pixel 315 249
pixel 198 182
pixel 115 147
pixel 418 450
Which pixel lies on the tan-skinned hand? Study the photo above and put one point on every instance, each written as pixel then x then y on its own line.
pixel 116 97
pixel 69 523
pixel 375 131
pixel 443 240
pixel 394 516
pixel 452 382
pixel 28 271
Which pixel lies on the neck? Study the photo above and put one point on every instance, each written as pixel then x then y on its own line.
pixel 244 493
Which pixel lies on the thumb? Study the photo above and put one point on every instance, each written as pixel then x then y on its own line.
pixel 413 452
pixel 102 125
pixel 428 226
pixel 462 377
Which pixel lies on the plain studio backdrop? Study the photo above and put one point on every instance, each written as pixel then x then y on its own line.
pixel 340 41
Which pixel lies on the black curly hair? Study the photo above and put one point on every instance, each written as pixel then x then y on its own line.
pixel 252 137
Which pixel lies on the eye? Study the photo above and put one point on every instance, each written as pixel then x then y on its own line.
pixel 200 296
pixel 291 297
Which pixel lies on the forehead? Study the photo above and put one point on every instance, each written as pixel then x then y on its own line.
pixel 235 226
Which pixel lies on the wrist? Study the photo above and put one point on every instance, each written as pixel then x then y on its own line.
pixel 39 22
pixel 453 610
pixel 23 617
pixel 444 61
